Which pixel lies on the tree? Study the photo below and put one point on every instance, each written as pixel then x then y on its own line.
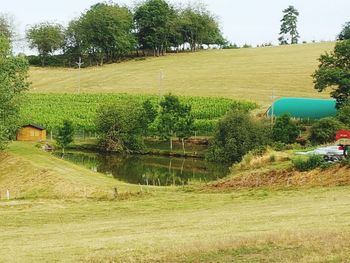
pixel 121 127
pixel 324 130
pixel 334 72
pixel 6 26
pixel 13 81
pixel 65 135
pixel 345 33
pixel 153 24
pixel 343 114
pixel 289 30
pixel 174 119
pixel 148 117
pixel 46 38
pixel 199 27
pixel 236 135
pixel 74 46
pixel 285 130
pixel 105 31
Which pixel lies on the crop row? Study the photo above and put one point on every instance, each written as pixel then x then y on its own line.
pixel 50 110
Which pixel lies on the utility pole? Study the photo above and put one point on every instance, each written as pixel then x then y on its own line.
pixel 273 97
pixel 80 63
pixel 161 77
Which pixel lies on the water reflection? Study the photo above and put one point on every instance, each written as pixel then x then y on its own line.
pixel 149 170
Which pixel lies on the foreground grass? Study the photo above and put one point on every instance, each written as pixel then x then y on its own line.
pixel 163 224
pixel 225 73
pixel 308 226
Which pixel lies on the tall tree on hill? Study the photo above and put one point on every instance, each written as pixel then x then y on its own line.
pixel 199 27
pixel 75 45
pixel 345 33
pixel 153 20
pixel 289 32
pixel 46 37
pixel 13 81
pixel 334 72
pixel 104 32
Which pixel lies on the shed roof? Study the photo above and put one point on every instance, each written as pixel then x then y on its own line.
pixel 34 126
pixel 304 108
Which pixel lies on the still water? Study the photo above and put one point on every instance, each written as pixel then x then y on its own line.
pixel 149 170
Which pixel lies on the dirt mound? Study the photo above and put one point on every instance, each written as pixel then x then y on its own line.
pixel 336 176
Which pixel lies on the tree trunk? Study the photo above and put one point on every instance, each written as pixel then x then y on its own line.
pixel 183 145
pixel 171 144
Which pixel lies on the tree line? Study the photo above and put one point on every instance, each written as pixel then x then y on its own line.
pixel 108 32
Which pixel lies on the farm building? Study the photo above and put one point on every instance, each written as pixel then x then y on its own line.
pixel 303 108
pixel 31 132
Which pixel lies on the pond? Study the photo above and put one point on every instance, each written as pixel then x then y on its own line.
pixel 147 169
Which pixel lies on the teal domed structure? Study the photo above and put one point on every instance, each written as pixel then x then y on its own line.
pixel 303 108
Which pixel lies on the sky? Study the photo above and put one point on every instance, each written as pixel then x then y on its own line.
pixel 242 21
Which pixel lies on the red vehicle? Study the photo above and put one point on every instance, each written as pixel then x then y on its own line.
pixel 343 140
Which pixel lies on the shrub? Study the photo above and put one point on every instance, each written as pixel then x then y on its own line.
pixel 309 164
pixel 343 114
pixel 285 130
pixel 121 127
pixel 324 130
pixel 236 135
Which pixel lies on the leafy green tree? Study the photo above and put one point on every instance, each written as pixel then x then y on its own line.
pixel 174 119
pixel 105 32
pixel 343 114
pixel 285 130
pixel 345 33
pixel 65 135
pixel 324 130
pixel 13 81
pixel 334 72
pixel 6 26
pixel 289 30
pixel 199 27
pixel 121 127
pixel 75 46
pixel 46 38
pixel 148 117
pixel 236 135
pixel 153 20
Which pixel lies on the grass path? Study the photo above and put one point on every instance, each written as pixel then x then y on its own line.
pixel 241 74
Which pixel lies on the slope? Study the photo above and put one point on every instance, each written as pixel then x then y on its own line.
pixel 243 73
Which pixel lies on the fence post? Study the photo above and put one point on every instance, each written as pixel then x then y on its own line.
pixel 115 192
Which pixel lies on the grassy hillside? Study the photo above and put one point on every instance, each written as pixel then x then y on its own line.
pixel 28 172
pixel 244 73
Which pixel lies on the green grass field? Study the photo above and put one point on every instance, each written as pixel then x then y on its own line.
pixel 241 74
pixel 166 224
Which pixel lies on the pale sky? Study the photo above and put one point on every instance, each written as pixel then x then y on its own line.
pixel 243 21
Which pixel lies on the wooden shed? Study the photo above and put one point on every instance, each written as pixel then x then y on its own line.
pixel 31 132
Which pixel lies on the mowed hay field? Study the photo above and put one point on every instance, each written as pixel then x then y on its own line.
pixel 241 74
pixel 162 224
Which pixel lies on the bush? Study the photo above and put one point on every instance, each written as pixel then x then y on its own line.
pixel 343 114
pixel 324 131
pixel 311 163
pixel 285 130
pixel 236 135
pixel 121 127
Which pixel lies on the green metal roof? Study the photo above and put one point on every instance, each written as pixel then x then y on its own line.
pixel 304 108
